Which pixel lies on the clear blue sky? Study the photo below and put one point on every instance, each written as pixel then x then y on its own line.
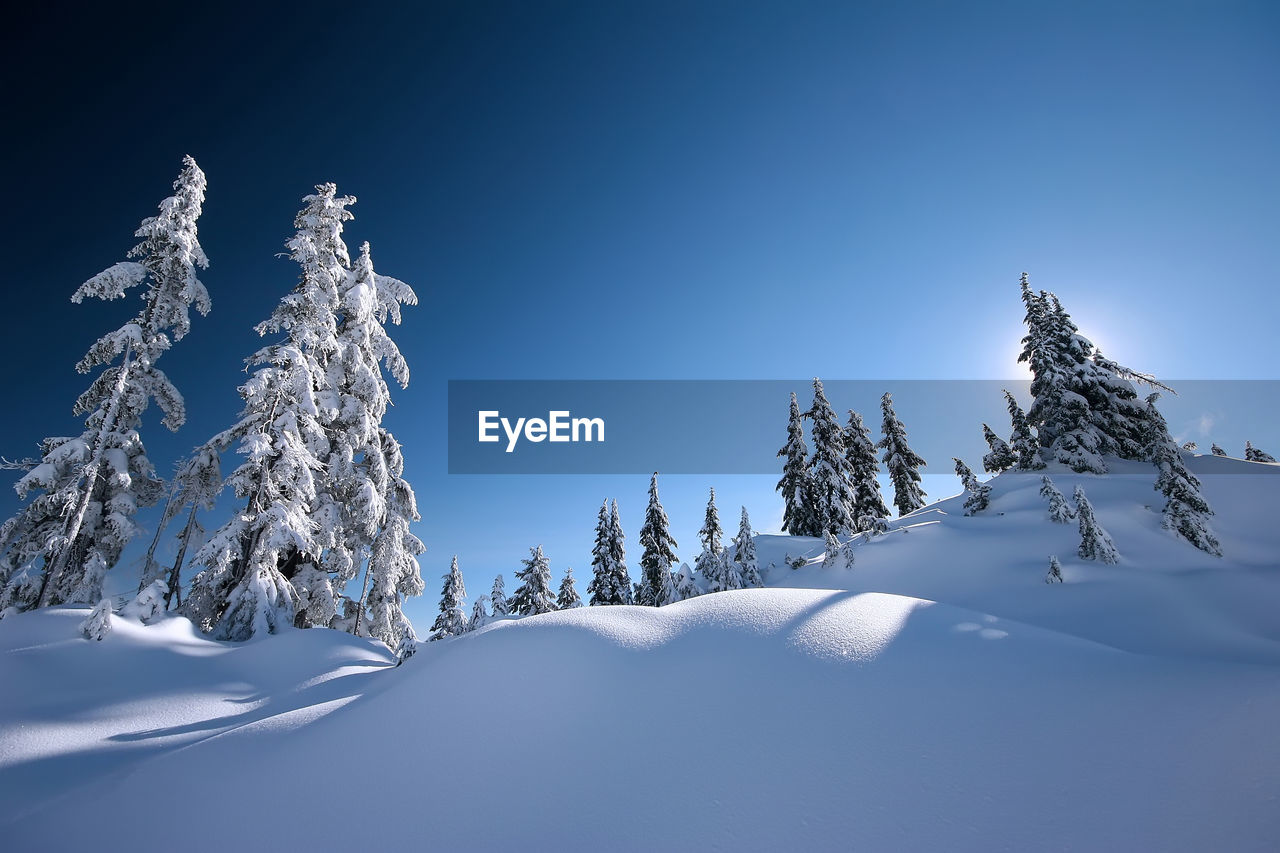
pixel 655 190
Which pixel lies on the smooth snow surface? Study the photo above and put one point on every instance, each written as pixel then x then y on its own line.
pixel 938 695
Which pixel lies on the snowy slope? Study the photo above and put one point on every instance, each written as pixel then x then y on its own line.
pixel 937 696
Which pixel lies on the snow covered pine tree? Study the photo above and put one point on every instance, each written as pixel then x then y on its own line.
pixel 744 554
pixel 452 620
pixel 610 582
pixel 568 597
pixel 712 562
pixel 1095 542
pixel 900 461
pixel 657 586
pixel 1185 512
pixel 1060 512
pixel 797 515
pixel 59 547
pixel 869 511
pixel 832 497
pixel 979 493
pixel 498 596
pixel 534 596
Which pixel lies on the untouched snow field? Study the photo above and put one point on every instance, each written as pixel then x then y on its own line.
pixel 939 695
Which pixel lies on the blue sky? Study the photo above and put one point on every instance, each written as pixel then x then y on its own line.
pixel 656 190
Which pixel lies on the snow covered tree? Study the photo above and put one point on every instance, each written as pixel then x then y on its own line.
pixel 59 546
pixel 837 555
pixel 1055 571
pixel 479 614
pixel 900 460
pixel 97 624
pixel 1217 451
pixel 196 487
pixel 979 493
pixel 712 563
pixel 1060 511
pixel 797 513
pixel 393 573
pixel 1190 446
pixel 568 597
pixel 831 491
pixel 1001 457
pixel 1253 454
pixel 744 554
pixel 1185 512
pixel 657 586
pixel 610 581
pixel 147 604
pixel 452 620
pixel 1095 542
pixel 864 469
pixel 1022 442
pixel 534 596
pixel 685 585
pixel 498 595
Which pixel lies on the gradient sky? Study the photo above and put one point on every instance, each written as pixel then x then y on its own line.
pixel 654 190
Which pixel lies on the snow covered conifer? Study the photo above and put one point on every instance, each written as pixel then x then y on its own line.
pixel 900 460
pixel 1253 454
pixel 479 614
pixel 1095 542
pixel 534 596
pixel 657 586
pixel 837 555
pixel 685 585
pixel 1217 451
pixel 1185 512
pixel 713 563
pixel 1060 511
pixel 452 620
pixel 610 581
pixel 568 597
pixel 1022 442
pixel 97 624
pixel 864 469
pixel 1055 571
pixel 1001 457
pixel 147 604
pixel 832 496
pixel 797 513
pixel 1190 446
pixel 979 493
pixel 91 486
pixel 744 554
pixel 498 596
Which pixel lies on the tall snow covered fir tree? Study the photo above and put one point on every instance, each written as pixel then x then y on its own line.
pixel 59 547
pixel 832 499
pixel 567 598
pixel 452 620
pixel 610 582
pixel 979 493
pixel 498 597
pixel 864 469
pixel 1095 542
pixel 1185 512
pixel 657 586
pixel 322 478
pixel 744 554
pixel 1085 405
pixel 712 562
pixel 797 516
pixel 534 596
pixel 900 461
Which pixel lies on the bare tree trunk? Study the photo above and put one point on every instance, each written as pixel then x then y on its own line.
pixel 174 593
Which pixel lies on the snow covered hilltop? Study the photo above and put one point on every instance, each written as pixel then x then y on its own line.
pixel 936 695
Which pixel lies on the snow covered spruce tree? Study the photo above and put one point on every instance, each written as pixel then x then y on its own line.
pixel 797 514
pixel 1095 542
pixel 744 554
pixel 1185 512
pixel 534 596
pixel 979 493
pixel 657 586
pixel 1253 454
pixel 832 498
pixel 1085 405
pixel 322 477
pixel 498 597
pixel 195 487
pixel 452 620
pixel 869 510
pixel 1022 441
pixel 900 461
pixel 1060 512
pixel 685 585
pixel 610 582
pixel 568 597
pixel 1000 457
pixel 59 546
pixel 1216 450
pixel 712 563
pixel 479 614
pixel 1054 574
